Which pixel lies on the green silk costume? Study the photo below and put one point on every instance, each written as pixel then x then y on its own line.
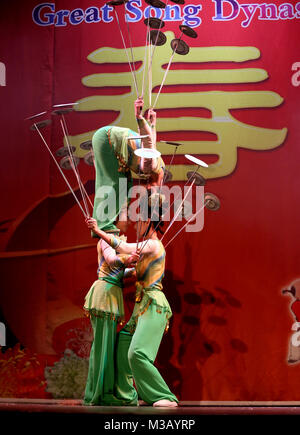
pixel 114 161
pixel 136 352
pixel 104 304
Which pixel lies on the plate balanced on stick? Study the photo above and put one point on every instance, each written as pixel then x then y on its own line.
pixel 70 161
pixel 66 160
pixel 211 201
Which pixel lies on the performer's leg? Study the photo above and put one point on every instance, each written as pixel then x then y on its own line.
pixel 107 177
pixel 100 381
pixel 142 352
pixel 124 388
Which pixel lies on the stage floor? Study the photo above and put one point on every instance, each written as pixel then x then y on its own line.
pixel 70 406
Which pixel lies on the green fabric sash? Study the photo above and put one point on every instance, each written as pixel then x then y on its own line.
pixel 111 280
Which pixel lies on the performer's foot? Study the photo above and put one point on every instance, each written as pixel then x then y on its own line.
pixel 165 403
pixel 143 403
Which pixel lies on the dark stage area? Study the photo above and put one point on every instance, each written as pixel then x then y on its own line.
pixel 57 407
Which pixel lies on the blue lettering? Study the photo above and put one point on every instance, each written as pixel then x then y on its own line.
pixel 190 15
pixel 148 12
pixel 137 13
pixel 76 17
pixel 106 9
pixel 36 14
pixel 172 13
pixel 92 15
pixel 297 7
pixel 235 8
pixel 60 18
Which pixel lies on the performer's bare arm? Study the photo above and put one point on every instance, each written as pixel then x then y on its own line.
pixel 111 257
pixel 151 118
pixel 147 165
pixel 123 247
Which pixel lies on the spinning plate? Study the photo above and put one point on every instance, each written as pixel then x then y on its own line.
pixel 62 111
pixel 176 144
pixel 154 23
pixel 188 31
pixel 199 180
pixel 156 3
pixel 64 151
pixel 137 137
pixel 65 162
pixel 87 145
pixel 89 158
pixel 64 105
pixel 167 176
pixel 40 124
pixel 35 116
pixel 147 153
pixel 195 160
pixel 116 2
pixel 212 201
pixel 179 46
pixel 159 40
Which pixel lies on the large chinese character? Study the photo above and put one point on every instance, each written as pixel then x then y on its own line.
pixel 231 133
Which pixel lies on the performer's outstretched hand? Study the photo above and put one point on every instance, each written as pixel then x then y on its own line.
pixel 152 117
pixel 138 107
pixel 91 224
pixel 132 260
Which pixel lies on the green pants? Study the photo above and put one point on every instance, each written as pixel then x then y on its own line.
pixel 135 357
pixel 109 189
pixel 101 375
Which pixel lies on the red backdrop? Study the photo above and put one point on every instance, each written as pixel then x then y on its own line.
pixel 231 327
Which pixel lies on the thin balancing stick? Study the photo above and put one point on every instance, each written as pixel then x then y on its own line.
pixel 138 223
pixel 156 39
pixel 182 228
pixel 168 209
pixel 145 205
pixel 73 166
pixel 170 164
pixel 145 60
pixel 71 158
pixel 156 226
pixel 179 209
pixel 150 74
pixel 164 78
pixel 60 170
pixel 177 197
pixel 157 200
pixel 129 63
pixel 159 191
pixel 66 134
pixel 130 44
pixel 167 70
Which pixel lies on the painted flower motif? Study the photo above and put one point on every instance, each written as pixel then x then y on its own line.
pixel 67 377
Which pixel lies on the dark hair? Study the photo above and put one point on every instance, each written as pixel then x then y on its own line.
pixel 157 213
